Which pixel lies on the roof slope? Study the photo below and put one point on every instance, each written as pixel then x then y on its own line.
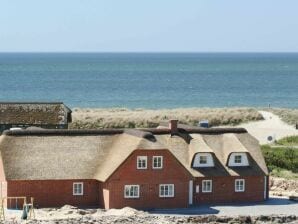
pixel 33 113
pixel 95 155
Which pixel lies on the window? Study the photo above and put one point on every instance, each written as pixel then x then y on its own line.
pixel 203 159
pixel 206 186
pixel 166 190
pixel 238 159
pixel 239 185
pixel 77 189
pixel 142 162
pixel 157 162
pixel 132 191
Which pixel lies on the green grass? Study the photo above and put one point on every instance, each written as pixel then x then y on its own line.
pixel 281 162
pixel 287 174
pixel 288 141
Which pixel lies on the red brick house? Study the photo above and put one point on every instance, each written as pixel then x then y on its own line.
pixel 148 168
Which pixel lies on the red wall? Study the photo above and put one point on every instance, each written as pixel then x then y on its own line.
pixel 127 174
pixel 54 193
pixel 223 190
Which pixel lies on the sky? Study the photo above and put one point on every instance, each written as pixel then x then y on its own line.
pixel 149 26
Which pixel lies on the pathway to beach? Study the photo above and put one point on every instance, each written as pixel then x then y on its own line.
pixel 272 126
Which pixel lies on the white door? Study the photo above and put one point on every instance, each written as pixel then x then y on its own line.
pixel 190 192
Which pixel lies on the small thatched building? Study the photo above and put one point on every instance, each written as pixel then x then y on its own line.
pixel 39 114
pixel 148 168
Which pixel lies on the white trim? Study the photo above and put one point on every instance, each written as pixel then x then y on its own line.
pixel 190 192
pixel 168 195
pixel 132 196
pixel 204 190
pixel 239 180
pixel 265 187
pixel 161 162
pixel 82 188
pixel 142 158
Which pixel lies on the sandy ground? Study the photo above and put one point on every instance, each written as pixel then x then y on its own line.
pixel 273 207
pixel 272 125
pixel 283 187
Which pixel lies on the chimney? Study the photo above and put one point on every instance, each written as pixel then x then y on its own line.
pixel 173 126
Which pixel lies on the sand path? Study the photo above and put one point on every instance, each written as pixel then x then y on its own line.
pixel 272 126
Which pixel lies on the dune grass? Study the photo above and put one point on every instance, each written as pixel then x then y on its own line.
pixel 288 141
pixel 145 118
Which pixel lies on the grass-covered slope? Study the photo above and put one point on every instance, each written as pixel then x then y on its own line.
pixel 282 157
pixel 288 141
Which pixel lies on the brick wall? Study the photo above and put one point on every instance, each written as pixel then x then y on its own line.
pixel 54 193
pixel 223 190
pixel 128 174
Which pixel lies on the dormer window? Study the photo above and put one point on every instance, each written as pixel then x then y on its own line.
pixel 203 159
pixel 238 159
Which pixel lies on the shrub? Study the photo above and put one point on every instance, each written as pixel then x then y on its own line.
pixel 281 158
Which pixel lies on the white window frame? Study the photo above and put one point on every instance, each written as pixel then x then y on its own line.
pixel 167 195
pixel 236 161
pixel 161 162
pixel 203 186
pixel 132 196
pixel 236 185
pixel 142 158
pixel 74 188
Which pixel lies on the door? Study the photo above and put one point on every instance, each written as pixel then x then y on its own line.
pixel 190 192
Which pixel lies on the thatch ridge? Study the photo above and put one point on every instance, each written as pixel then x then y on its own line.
pixel 155 131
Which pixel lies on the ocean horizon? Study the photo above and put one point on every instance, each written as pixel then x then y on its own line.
pixel 151 80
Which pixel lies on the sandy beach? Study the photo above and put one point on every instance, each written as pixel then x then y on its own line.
pixel 272 126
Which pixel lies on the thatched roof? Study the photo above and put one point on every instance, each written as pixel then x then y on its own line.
pixel 34 113
pixel 77 154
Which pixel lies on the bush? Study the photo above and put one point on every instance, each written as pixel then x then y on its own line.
pixel 281 158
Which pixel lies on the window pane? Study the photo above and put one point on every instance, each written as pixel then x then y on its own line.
pixel 170 190
pixel 203 159
pixel 238 159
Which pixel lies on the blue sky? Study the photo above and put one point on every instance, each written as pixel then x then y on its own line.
pixel 152 25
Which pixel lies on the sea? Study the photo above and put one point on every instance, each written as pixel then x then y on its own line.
pixel 151 80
